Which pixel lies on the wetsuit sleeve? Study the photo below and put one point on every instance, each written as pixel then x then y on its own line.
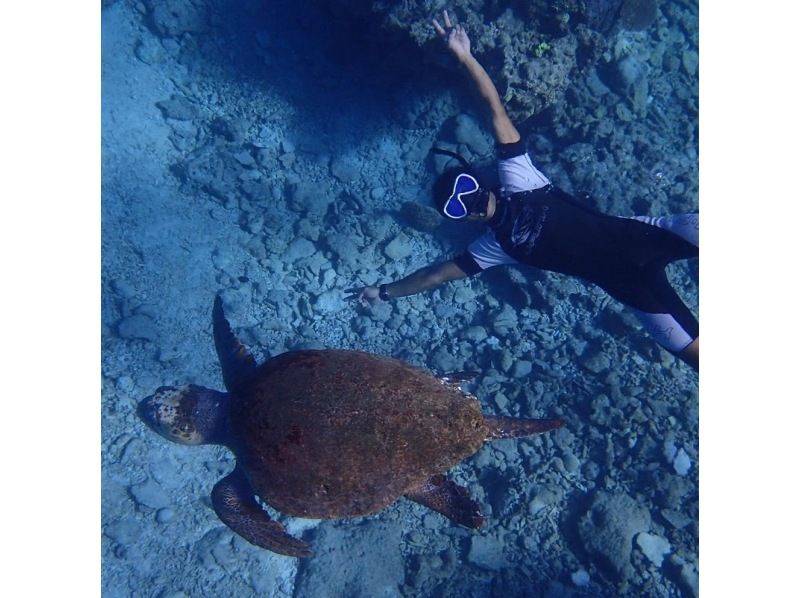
pixel 517 172
pixel 486 252
pixel 506 151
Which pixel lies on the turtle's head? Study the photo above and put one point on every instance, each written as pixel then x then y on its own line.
pixel 188 415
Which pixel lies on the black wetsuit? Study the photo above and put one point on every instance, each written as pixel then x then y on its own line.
pixel 547 228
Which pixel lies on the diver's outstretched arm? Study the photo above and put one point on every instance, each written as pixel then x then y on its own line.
pixel 421 280
pixel 458 43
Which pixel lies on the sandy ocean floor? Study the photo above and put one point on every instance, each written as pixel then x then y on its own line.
pixel 262 160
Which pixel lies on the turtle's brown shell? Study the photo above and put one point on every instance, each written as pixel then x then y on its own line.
pixel 335 433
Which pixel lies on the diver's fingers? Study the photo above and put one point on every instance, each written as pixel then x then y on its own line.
pixel 357 294
pixel 447 20
pixel 439 28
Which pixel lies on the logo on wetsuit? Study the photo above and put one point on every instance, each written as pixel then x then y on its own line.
pixel 528 226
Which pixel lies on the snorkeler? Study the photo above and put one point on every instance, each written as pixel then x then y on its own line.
pixel 533 222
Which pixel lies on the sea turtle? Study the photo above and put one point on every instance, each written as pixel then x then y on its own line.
pixel 329 433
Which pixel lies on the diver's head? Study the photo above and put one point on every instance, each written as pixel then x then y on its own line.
pixel 459 196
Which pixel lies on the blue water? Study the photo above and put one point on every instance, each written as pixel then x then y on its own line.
pixel 265 152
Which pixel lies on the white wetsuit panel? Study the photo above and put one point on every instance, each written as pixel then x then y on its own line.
pixel 664 328
pixel 519 174
pixel 686 226
pixel 486 252
pixel 516 174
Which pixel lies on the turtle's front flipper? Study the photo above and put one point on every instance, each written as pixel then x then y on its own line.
pixel 236 361
pixel 235 505
pixel 515 427
pixel 449 499
pixel 456 379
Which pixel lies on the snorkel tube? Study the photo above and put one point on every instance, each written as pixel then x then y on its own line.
pixel 459 157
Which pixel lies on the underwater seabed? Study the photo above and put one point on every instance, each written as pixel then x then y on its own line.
pixel 282 177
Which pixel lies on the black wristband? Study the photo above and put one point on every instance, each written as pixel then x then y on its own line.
pixel 384 296
pixel 506 151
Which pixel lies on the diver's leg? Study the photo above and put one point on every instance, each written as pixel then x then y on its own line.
pixel 660 309
pixel 691 354
pixel 686 226
pixel 668 332
pixel 667 318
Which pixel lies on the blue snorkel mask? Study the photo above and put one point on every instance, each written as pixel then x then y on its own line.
pixel 467 198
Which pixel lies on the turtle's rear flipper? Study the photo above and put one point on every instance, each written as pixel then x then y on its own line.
pixel 235 505
pixel 514 427
pixel 449 499
pixel 237 363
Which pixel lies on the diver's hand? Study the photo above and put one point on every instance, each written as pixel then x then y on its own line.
pixel 366 295
pixel 456 38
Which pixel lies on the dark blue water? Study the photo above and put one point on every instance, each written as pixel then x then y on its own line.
pixel 277 153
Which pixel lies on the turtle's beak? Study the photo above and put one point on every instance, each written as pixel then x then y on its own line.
pixel 160 409
pixel 168 411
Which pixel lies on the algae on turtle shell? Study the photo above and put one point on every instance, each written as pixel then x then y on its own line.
pixel 328 434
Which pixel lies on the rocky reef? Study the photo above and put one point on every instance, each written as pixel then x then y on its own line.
pixel 279 152
pixel 534 50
